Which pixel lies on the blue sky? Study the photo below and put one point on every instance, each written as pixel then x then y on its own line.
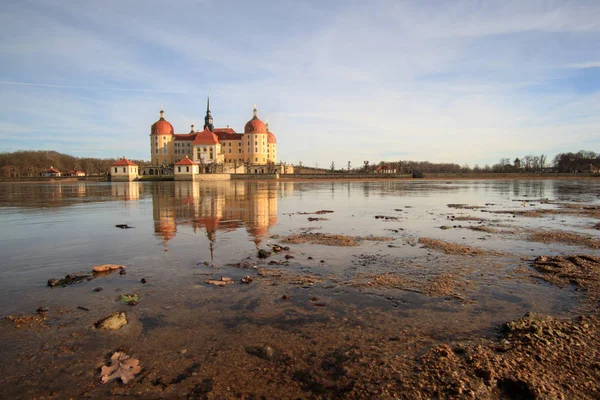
pixel 444 81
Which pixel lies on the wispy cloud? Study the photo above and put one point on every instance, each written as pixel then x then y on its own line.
pixel 459 82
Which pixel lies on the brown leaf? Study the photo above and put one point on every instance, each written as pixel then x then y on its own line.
pixel 121 366
pixel 107 267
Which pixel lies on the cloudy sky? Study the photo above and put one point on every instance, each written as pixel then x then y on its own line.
pixel 455 81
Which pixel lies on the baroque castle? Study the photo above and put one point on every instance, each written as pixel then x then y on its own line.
pixel 254 151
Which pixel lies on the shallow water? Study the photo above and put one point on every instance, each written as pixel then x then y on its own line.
pixel 53 229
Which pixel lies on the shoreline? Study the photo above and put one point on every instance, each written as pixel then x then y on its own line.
pixel 338 178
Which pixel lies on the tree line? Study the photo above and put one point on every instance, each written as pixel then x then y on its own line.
pixel 31 163
pixel 582 161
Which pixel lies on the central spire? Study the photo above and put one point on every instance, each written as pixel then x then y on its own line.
pixel 208 121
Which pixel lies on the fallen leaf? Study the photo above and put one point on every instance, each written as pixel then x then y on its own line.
pixel 128 298
pixel 222 282
pixel 121 366
pixel 107 267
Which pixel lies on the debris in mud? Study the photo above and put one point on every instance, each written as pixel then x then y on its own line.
pixel 131 299
pixel 324 212
pixel 445 227
pixel 464 206
pixel 451 248
pixel 386 218
pixel 569 238
pixel 373 238
pixel 580 270
pixel 285 297
pixel 288 277
pixel 143 280
pixel 98 289
pixel 41 310
pixel 112 322
pixel 122 272
pixel 310 219
pixel 264 253
pixel 123 226
pixel 222 282
pixel 385 280
pixel 121 367
pixel 29 321
pixel 83 308
pixel 276 248
pixel 107 268
pixel 322 239
pixel 247 279
pixel 70 279
pixel 597 226
pixel 485 229
pixel 288 256
pixel 242 264
pixel 279 262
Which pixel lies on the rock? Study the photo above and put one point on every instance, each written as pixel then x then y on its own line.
pixel 263 253
pixel 264 352
pixel 143 280
pixel 222 282
pixel 42 310
pixel 285 297
pixel 122 272
pixel 123 226
pixel 288 256
pixel 444 227
pixel 70 279
pixel 98 289
pixel 247 279
pixel 112 322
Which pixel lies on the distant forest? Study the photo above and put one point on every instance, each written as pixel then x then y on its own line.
pixel 31 163
pixel 582 161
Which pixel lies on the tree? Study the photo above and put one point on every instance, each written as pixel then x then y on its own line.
pixel 517 163
pixel 235 166
pixel 332 167
pixel 366 165
pixel 349 166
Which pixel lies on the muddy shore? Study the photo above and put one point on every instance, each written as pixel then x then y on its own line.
pixel 330 314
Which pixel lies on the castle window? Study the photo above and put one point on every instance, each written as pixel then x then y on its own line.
pixel 187 169
pixel 115 170
pixel 178 169
pixel 124 170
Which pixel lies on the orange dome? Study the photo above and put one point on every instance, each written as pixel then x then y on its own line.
pixel 255 125
pixel 271 138
pixel 162 126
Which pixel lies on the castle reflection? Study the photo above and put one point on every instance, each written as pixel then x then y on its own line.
pixel 217 206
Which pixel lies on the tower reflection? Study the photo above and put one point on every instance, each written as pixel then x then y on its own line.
pixel 217 206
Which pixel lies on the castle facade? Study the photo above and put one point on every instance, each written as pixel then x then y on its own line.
pixel 253 151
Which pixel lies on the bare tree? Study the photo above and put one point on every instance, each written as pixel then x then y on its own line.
pixel 366 165
pixel 332 166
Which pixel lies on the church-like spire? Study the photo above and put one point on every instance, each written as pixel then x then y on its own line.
pixel 208 121
pixel 255 112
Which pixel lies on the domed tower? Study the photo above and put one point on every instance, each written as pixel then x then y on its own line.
pixel 254 141
pixel 271 145
pixel 161 141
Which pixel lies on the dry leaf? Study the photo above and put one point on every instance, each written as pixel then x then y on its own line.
pixel 121 366
pixel 224 281
pixel 107 267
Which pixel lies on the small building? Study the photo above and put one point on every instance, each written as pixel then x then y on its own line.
pixel 75 172
pixel 52 172
pixel 186 170
pixel 123 171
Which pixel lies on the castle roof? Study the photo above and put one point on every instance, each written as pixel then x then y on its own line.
pixel 206 137
pixel 185 161
pixel 123 162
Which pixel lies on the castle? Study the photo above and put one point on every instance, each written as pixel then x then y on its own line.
pixel 215 149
